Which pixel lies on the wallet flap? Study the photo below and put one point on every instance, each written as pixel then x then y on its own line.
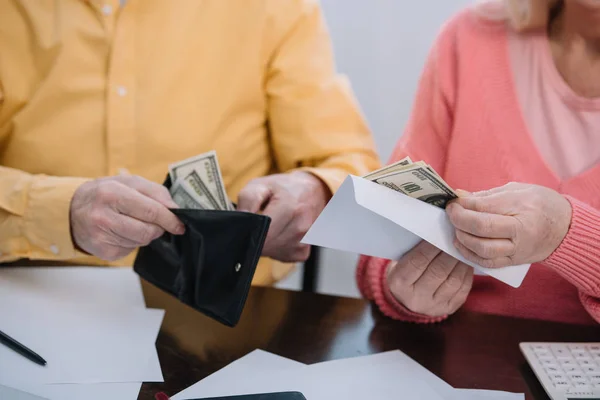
pixel 211 266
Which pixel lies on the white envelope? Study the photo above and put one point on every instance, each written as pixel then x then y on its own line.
pixel 366 218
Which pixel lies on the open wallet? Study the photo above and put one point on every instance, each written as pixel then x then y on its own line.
pixel 210 267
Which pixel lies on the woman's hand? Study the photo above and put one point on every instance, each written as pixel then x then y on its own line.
pixel 510 225
pixel 430 282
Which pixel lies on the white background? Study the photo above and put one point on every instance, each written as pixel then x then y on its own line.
pixel 381 45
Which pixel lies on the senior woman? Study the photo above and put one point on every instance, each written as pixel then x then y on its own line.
pixel 510 93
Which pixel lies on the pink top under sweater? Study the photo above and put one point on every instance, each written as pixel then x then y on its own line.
pixel 469 124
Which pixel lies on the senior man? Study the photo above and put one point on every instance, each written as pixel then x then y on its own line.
pixel 89 89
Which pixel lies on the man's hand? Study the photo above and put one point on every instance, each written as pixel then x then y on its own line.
pixel 293 201
pixel 430 282
pixel 511 225
pixel 110 217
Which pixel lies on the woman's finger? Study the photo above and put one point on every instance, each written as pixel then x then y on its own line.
pixel 448 289
pixel 436 274
pixel 414 263
pixel 463 292
pixel 486 248
pixel 482 224
pixel 483 262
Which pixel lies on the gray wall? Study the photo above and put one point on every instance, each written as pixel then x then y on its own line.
pixel 381 45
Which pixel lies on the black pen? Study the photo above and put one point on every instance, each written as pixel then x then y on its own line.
pixel 21 349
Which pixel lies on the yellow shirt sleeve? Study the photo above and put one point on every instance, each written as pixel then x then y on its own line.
pixel 314 120
pixel 34 216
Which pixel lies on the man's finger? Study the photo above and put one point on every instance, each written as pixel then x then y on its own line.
pixel 134 204
pixel 414 263
pixel 151 189
pixel 482 224
pixel 281 217
pixel 135 231
pixel 253 197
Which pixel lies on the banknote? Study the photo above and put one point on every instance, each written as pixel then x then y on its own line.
pixel 185 197
pixel 200 188
pixel 388 168
pixel 420 182
pixel 206 166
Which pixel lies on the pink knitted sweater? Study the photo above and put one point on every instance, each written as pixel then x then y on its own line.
pixel 467 123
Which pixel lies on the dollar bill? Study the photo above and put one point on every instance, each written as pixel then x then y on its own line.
pixel 419 182
pixel 207 169
pixel 185 197
pixel 200 188
pixel 388 168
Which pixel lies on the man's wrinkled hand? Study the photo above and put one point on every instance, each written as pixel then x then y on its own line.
pixel 110 217
pixel 430 282
pixel 293 201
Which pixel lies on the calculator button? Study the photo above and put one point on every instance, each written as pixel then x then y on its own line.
pixel 555 370
pixel 594 347
pixel 568 363
pixel 560 351
pixel 562 384
pixel 591 370
pixel 573 371
pixel 558 377
pixel 583 357
pixel 582 386
pixel 547 356
pixel 578 378
pixel 586 363
pixel 549 363
pixel 576 347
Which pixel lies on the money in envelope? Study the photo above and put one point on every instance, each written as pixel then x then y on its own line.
pixel 388 211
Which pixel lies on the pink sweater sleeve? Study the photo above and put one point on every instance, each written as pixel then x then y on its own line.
pixel 577 259
pixel 426 138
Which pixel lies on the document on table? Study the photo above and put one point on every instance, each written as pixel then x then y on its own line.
pixel 98 286
pixel 105 296
pixel 354 378
pixel 373 376
pixel 366 218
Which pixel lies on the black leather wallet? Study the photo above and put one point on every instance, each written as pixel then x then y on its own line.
pixel 210 267
pixel 263 396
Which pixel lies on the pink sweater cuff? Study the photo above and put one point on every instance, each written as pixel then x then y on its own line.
pixel 372 283
pixel 577 258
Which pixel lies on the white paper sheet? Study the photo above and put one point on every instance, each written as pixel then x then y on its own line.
pixel 378 376
pixel 95 289
pixel 99 286
pixel 256 363
pixel 8 393
pixel 264 366
pixel 98 391
pixel 366 218
pixel 80 344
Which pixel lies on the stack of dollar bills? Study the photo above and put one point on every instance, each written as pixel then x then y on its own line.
pixel 197 183
pixel 414 179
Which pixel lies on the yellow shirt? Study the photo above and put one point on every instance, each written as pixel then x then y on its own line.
pixel 89 88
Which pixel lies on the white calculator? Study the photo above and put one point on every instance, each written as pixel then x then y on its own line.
pixel 567 371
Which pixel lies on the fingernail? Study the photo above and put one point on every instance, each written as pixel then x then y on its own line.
pixel 462 193
pixel 181 229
